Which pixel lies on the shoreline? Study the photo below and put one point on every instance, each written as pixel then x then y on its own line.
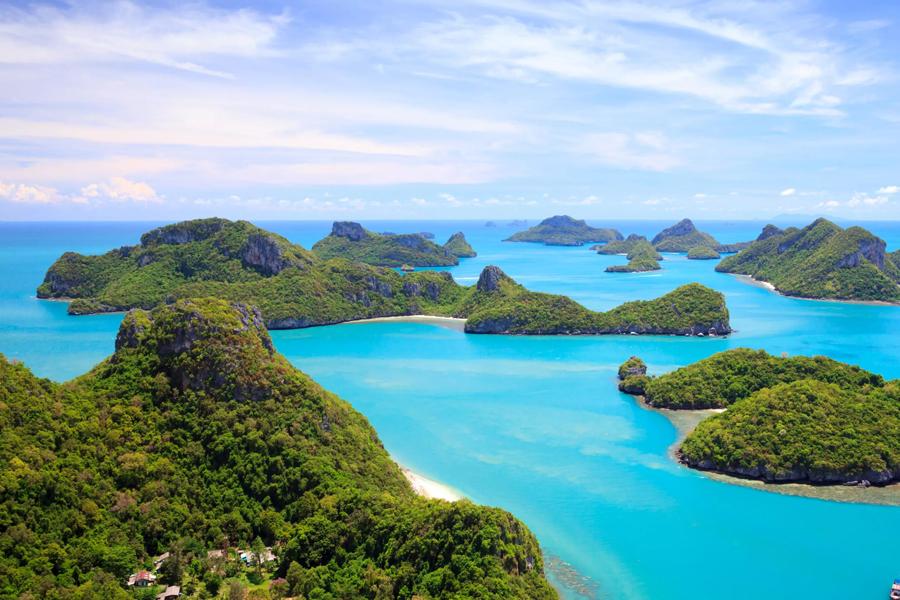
pixel 448 322
pixel 685 421
pixel 749 280
pixel 428 488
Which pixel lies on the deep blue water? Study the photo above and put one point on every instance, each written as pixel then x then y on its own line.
pixel 536 425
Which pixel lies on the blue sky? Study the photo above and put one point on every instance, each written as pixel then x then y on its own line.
pixel 449 109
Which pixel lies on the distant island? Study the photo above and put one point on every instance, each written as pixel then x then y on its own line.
pixel 458 246
pixel 563 230
pixel 681 237
pixel 820 261
pixel 641 258
pixel 195 429
pixel 518 223
pixel 702 253
pixel 630 246
pixel 788 418
pixel 294 288
pixel 352 241
pixel 490 224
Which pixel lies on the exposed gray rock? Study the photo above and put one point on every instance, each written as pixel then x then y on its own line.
pixel 184 232
pixel 130 331
pixel 348 229
pixel 873 251
pixel 410 240
pixel 769 231
pixel 427 235
pixel 490 278
pixel 265 253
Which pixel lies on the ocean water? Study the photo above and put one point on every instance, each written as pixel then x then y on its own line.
pixel 536 424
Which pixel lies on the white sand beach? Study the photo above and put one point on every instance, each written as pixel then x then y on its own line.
pixel 448 322
pixel 427 488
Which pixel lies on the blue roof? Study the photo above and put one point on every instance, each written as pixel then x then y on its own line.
pixel 897 581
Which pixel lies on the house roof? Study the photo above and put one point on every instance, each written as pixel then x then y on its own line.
pixel 162 557
pixel 171 591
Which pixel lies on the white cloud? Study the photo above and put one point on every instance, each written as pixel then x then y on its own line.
pixel 119 189
pixel 419 201
pixel 629 151
pixel 891 189
pixel 653 201
pixel 123 30
pixel 699 195
pixel 861 198
pixel 866 26
pixel 789 192
pixel 30 194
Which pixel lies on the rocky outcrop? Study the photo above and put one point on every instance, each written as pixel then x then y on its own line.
pixel 349 229
pixel 872 251
pixel 184 232
pixel 490 278
pixel 683 227
pixel 769 231
pixel 266 254
pixel 797 473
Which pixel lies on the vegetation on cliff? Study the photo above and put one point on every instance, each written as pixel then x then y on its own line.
pixel 681 237
pixel 727 377
pixel 632 366
pixel 641 260
pixel 632 245
pixel 196 429
pixel 788 418
pixel 804 430
pixel 458 246
pixel 822 260
pixel 702 253
pixel 563 230
pixel 314 292
pixel 500 305
pixel 352 241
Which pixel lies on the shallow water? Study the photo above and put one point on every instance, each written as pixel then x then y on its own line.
pixel 536 425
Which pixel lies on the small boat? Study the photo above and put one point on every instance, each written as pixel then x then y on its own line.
pixel 895 590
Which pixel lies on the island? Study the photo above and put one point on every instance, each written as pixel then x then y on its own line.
pixel 458 246
pixel 642 258
pixel 803 419
pixel 702 253
pixel 820 261
pixel 732 248
pixel 681 237
pixel 195 429
pixel 427 235
pixel 563 230
pixel 490 224
pixel 352 241
pixel 294 288
pixel 630 246
pixel 518 223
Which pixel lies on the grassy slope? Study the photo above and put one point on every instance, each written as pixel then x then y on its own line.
pixel 702 253
pixel 803 263
pixel 195 429
pixel 684 243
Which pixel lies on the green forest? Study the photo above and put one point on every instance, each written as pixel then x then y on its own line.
pixel 196 430
pixel 294 288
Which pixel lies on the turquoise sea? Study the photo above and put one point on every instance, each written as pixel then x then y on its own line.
pixel 536 425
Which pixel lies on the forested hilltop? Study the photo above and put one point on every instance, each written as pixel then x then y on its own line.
pixel 196 429
pixel 352 241
pixel 294 288
pixel 822 260
pixel 787 419
pixel 563 230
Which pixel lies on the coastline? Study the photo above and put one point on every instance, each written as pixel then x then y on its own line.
pixel 749 280
pixel 448 322
pixel 685 421
pixel 429 489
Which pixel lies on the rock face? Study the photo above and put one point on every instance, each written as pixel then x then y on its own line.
pixel 427 235
pixel 184 232
pixel 797 473
pixel 683 227
pixel 348 229
pixel 769 231
pixel 872 250
pixel 490 278
pixel 266 254
pixel 409 240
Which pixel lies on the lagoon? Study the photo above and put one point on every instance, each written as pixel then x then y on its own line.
pixel 536 425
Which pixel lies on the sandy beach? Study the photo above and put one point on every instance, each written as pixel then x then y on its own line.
pixel 448 322
pixel 768 286
pixel 427 488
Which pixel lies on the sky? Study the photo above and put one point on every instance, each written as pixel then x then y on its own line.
pixel 462 109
